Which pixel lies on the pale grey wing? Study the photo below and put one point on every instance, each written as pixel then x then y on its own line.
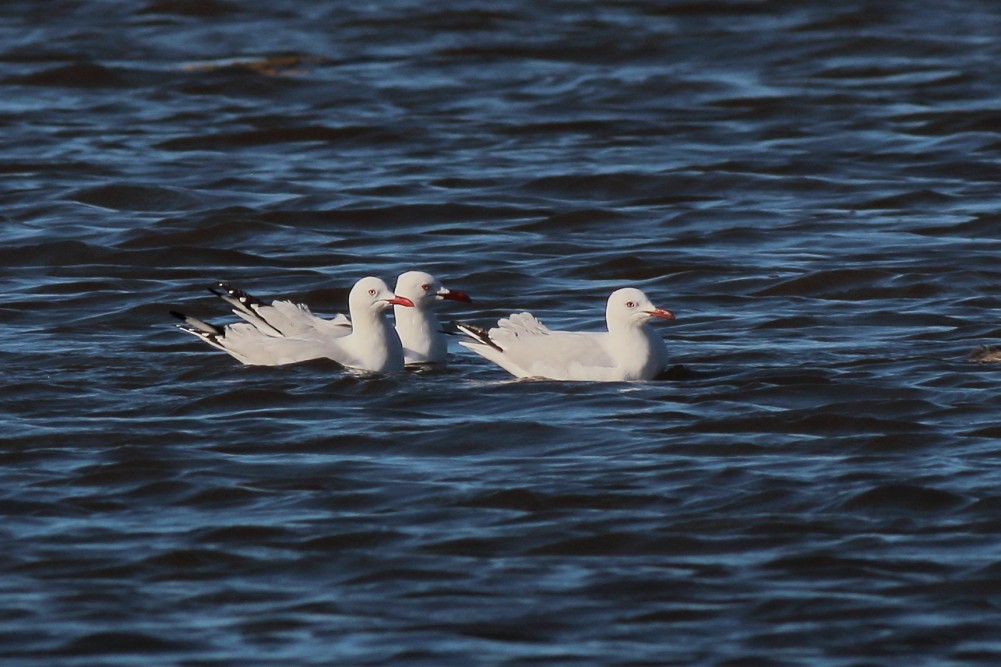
pixel 520 324
pixel 560 355
pixel 296 320
pixel 281 318
pixel 250 345
pixel 539 351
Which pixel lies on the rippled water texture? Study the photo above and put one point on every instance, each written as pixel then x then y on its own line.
pixel 812 187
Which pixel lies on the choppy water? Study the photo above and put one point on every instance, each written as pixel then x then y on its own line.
pixel 812 187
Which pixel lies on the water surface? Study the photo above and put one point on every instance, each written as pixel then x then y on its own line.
pixel 811 187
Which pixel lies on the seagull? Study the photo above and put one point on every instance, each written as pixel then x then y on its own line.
pixel 629 350
pixel 286 333
pixel 418 327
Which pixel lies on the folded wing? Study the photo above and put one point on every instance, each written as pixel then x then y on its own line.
pixel 525 347
pixel 281 318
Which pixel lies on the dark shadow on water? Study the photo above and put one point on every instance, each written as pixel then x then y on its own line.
pixel 678 373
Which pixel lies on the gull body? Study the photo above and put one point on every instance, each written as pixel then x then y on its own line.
pixel 628 350
pixel 286 333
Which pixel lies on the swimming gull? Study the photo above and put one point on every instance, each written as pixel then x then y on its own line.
pixel 286 333
pixel 629 350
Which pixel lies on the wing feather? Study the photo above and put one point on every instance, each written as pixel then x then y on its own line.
pixel 527 348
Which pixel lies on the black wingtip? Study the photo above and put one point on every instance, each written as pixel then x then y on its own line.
pixel 195 324
pixel 478 334
pixel 227 291
pixel 220 288
pixel 208 336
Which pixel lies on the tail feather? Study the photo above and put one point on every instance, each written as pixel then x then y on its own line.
pixel 478 334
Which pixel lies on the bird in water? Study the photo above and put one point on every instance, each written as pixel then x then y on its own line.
pixel 628 350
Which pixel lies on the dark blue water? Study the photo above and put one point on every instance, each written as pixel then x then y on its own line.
pixel 811 187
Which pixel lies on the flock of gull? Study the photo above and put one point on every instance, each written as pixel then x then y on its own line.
pixel 284 332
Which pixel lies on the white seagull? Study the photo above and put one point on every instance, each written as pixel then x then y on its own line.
pixel 419 330
pixel 286 333
pixel 284 328
pixel 629 350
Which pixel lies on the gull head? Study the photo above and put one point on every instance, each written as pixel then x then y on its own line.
pixel 373 295
pixel 631 307
pixel 424 290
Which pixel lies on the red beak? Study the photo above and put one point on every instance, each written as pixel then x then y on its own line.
pixel 401 301
pixel 661 313
pixel 454 295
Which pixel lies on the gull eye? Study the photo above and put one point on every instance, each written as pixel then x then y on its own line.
pixel 630 304
pixel 425 287
pixel 371 292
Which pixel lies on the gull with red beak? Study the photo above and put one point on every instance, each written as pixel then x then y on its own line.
pixel 418 327
pixel 629 350
pixel 416 324
pixel 286 332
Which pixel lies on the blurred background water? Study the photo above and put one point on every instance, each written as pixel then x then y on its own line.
pixel 811 187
